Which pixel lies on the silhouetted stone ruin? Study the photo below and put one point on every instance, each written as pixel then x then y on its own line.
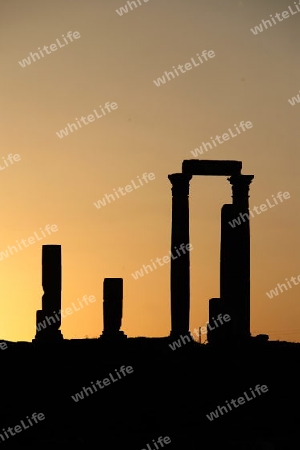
pixel 234 298
pixel 235 253
pixel 48 319
pixel 112 308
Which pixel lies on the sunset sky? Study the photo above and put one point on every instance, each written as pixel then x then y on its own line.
pixel 57 180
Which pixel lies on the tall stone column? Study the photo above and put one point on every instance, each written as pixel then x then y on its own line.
pixel 180 258
pixel 48 319
pixel 239 300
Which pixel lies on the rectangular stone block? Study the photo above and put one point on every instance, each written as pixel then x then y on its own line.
pixel 211 167
pixel 51 267
pixel 113 289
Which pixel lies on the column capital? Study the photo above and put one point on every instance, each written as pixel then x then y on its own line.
pixel 240 187
pixel 240 179
pixel 180 183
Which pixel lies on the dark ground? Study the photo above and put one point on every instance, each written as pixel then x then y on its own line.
pixel 169 393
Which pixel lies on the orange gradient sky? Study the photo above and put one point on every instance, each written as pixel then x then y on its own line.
pixel 154 129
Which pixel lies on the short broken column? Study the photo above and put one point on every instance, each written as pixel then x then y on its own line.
pixel 48 319
pixel 229 260
pixel 112 308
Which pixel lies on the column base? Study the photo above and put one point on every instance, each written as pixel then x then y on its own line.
pixel 176 335
pixel 232 341
pixel 118 336
pixel 53 336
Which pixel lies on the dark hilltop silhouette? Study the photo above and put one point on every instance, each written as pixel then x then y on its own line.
pixel 117 392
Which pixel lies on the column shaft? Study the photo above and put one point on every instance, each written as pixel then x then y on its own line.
pixel 240 294
pixel 180 259
pixel 228 261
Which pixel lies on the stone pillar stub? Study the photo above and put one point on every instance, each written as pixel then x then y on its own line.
pixel 112 308
pixel 48 319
